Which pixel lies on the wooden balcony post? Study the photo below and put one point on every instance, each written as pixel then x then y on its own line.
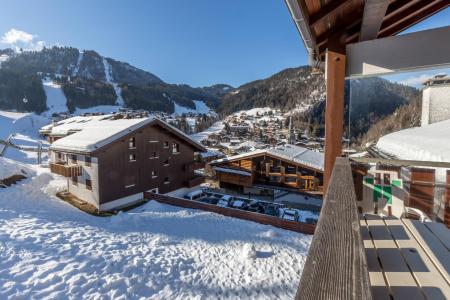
pixel 334 111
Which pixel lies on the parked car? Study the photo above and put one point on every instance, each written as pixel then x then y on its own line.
pixel 239 203
pixel 225 201
pixel 256 206
pixel 210 200
pixel 289 214
pixel 195 195
pixel 271 209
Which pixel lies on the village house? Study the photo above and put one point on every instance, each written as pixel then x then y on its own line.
pixel 110 160
pixel 286 166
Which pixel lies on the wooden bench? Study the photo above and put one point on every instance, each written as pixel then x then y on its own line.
pixel 406 259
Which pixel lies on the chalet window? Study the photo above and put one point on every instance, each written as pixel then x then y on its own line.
pixel 75 180
pixel 166 144
pixel 166 162
pixel 87 161
pixel 130 185
pixel 89 184
pixel 153 141
pixel 73 158
pixel 132 143
pixel 129 181
pixel 175 148
pixel 166 180
pixel 154 174
pixel 154 155
pixel 132 157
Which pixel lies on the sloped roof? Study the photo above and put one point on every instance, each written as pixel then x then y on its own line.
pixel 95 134
pixel 296 154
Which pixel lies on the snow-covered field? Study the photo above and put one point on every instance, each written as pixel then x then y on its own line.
pixel 51 250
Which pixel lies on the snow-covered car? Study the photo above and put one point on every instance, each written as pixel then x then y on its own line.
pixel 225 201
pixel 289 214
pixel 239 203
pixel 195 195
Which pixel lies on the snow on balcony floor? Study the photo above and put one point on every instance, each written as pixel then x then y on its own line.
pixel 49 249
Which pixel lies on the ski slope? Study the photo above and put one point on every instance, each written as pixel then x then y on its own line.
pixel 56 100
pixel 200 108
pixel 108 76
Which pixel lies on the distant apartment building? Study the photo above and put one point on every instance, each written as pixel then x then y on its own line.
pixel 436 100
pixel 109 160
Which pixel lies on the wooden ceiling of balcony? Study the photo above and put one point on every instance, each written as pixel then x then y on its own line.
pixel 360 20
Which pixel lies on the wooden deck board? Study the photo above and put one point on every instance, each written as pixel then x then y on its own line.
pixel 380 289
pixel 424 271
pixel 437 252
pixel 441 232
pixel 401 282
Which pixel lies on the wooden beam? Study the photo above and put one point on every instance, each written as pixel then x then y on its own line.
pixel 412 15
pixel 336 266
pixel 325 11
pixel 374 12
pixel 334 111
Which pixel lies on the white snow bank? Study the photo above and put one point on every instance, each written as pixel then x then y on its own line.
pixel 56 100
pixel 428 143
pixel 23 123
pixel 9 167
pixel 48 248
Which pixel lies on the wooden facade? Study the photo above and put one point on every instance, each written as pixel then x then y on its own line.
pixel 270 170
pixel 158 158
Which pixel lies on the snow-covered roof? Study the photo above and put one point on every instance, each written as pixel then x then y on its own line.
pixel 232 171
pixel 66 126
pixel 293 153
pixel 427 143
pixel 101 130
pixel 96 134
pixel 299 155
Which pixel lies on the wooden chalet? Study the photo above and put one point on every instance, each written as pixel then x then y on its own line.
pixel 286 166
pixel 357 253
pixel 109 161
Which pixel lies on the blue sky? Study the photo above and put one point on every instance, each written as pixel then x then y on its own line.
pixel 198 42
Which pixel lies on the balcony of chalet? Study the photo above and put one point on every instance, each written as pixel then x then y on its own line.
pixel 65 169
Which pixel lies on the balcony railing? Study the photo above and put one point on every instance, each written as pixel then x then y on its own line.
pixel 336 266
pixel 65 169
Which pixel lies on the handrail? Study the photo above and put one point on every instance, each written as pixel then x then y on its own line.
pixel 336 266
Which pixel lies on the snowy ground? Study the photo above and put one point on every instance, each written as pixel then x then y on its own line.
pixel 50 249
pixel 215 128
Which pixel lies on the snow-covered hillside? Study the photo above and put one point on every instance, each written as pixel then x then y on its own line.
pixel 108 76
pixel 56 100
pixel 428 143
pixel 200 108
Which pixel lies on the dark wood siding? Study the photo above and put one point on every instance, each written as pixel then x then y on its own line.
pixel 116 171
